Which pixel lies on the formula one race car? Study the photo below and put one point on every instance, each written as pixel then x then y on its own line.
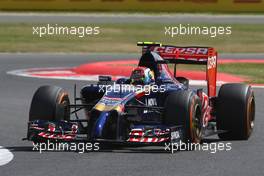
pixel 153 106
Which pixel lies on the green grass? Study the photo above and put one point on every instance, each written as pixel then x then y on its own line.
pixel 123 38
pixel 254 72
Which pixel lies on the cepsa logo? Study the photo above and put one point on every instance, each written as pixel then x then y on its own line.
pixel 173 50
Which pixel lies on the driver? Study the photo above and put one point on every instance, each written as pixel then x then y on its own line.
pixel 142 76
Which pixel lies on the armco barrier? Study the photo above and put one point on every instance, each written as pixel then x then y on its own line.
pixel 137 5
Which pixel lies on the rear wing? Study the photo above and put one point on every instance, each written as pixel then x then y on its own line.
pixel 188 55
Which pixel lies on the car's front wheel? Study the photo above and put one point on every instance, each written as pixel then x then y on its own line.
pixel 183 108
pixel 50 103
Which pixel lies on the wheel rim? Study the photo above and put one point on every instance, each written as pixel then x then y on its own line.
pixel 196 125
pixel 64 103
pixel 250 114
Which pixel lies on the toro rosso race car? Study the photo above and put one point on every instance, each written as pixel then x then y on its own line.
pixel 152 106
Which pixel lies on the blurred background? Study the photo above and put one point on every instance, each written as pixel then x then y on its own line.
pixel 124 22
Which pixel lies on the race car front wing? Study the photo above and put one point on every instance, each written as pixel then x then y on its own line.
pixel 41 130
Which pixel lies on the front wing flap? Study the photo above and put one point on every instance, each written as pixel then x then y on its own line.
pixel 156 135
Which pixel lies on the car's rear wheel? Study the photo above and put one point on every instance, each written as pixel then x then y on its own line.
pixel 235 111
pixel 50 103
pixel 184 108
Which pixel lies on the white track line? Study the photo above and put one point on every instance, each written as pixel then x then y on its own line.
pixel 25 73
pixel 5 156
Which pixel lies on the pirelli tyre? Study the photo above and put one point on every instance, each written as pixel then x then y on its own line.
pixel 184 108
pixel 50 103
pixel 235 111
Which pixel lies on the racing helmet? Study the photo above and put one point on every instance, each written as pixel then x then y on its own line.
pixel 142 75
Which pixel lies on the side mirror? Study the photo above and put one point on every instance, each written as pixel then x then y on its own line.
pixel 105 80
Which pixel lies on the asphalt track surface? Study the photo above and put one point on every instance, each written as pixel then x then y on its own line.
pixel 245 158
pixel 128 18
